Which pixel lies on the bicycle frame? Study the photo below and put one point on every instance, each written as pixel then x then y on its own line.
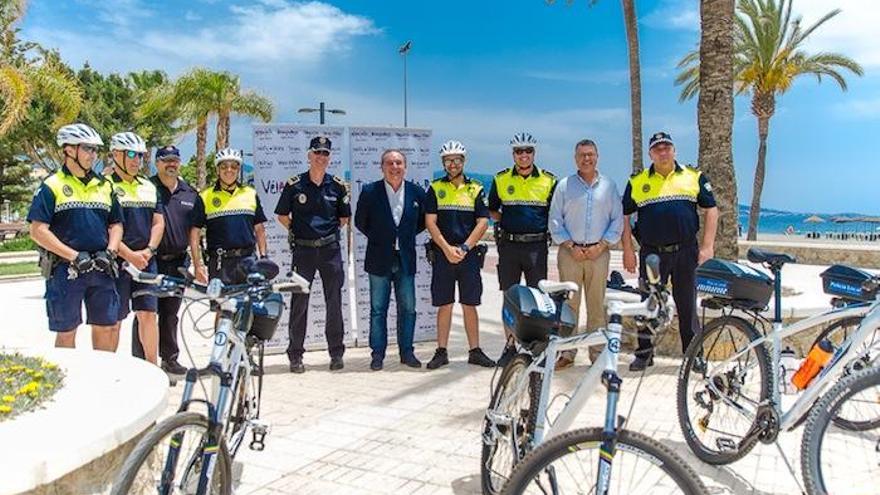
pixel 789 419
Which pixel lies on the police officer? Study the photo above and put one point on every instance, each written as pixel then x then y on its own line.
pixel 519 202
pixel 457 217
pixel 233 220
pixel 314 206
pixel 177 199
pixel 76 219
pixel 144 225
pixel 666 196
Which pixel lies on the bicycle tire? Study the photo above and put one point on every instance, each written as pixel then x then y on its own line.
pixel 729 453
pixel 820 418
pixel 527 417
pixel 628 442
pixel 122 485
pixel 866 356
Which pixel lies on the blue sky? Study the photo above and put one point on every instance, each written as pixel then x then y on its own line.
pixel 481 70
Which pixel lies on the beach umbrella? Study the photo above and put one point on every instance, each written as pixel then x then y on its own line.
pixel 814 219
pixel 841 219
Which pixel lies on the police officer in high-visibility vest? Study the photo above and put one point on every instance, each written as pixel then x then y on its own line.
pixel 519 202
pixel 233 220
pixel 456 215
pixel 144 226
pixel 665 196
pixel 77 222
pixel 313 207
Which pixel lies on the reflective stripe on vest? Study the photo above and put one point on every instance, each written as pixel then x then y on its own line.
pixel 242 201
pixel 139 193
pixel 456 198
pixel 70 192
pixel 514 189
pixel 679 185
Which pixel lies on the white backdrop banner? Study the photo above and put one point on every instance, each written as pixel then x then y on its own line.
pixel 280 151
pixel 367 145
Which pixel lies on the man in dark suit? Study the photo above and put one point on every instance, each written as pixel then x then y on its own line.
pixel 390 212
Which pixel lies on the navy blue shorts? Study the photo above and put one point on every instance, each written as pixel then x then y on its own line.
pixel 467 275
pixel 125 286
pixel 64 299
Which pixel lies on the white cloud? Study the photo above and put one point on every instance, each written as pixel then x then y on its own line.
pixel 119 14
pixel 674 14
pixel 191 16
pixel 853 32
pixel 267 32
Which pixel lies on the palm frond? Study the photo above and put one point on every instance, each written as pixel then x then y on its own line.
pixel 16 92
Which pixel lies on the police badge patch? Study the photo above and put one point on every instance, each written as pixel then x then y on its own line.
pixel 441 194
pixel 67 190
pixel 216 202
pixel 120 192
pixel 708 187
pixel 510 189
pixel 301 198
pixel 646 188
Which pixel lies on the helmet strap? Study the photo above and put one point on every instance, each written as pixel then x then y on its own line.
pixel 120 170
pixel 75 159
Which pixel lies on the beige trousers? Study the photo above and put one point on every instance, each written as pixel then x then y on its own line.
pixel 590 275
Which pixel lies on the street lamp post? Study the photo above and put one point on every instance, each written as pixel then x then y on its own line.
pixel 322 109
pixel 403 50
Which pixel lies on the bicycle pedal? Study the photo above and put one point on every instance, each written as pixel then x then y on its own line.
pixel 259 430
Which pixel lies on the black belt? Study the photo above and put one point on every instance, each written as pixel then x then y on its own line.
pixel 586 245
pixel 316 243
pixel 171 257
pixel 665 248
pixel 233 253
pixel 535 237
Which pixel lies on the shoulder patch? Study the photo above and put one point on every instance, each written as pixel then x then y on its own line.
pixel 503 171
pixel 340 181
pixel 293 180
pixel 548 173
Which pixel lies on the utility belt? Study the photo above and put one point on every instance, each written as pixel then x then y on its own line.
pixel 101 261
pixel 218 255
pixel 432 250
pixel 502 236
pixel 315 243
pixel 665 248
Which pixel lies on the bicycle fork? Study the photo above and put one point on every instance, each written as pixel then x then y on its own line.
pixel 608 447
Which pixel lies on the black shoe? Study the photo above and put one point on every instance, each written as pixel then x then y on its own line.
pixel 411 361
pixel 376 364
pixel 296 366
pixel 441 358
pixel 336 363
pixel 641 363
pixel 478 357
pixel 506 356
pixel 172 367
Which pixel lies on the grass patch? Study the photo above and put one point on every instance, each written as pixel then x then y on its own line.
pixel 21 268
pixel 24 243
pixel 26 383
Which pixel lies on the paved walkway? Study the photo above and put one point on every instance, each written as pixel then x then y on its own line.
pixel 404 431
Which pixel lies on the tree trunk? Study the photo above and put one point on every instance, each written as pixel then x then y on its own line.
pixel 715 118
pixel 635 81
pixel 760 169
pixel 222 131
pixel 201 143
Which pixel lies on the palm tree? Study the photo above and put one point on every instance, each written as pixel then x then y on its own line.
pixel 200 94
pixel 715 118
pixel 27 71
pixel 768 57
pixel 631 24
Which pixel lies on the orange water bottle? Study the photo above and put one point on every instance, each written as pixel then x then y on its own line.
pixel 818 357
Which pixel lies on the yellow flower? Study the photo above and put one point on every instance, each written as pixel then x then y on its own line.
pixel 5 409
pixel 8 398
pixel 30 388
pixel 49 366
pixel 37 375
pixel 9 380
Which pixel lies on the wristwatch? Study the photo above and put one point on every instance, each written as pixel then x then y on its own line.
pixel 152 250
pixel 464 247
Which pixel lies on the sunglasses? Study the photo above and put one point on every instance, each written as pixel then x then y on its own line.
pixel 453 161
pixel 88 148
pixel 321 152
pixel 520 151
pixel 228 166
pixel 133 154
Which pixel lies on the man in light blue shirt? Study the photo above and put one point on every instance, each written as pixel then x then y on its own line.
pixel 586 218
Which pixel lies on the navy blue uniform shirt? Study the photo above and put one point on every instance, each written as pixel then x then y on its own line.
pixel 315 208
pixel 177 206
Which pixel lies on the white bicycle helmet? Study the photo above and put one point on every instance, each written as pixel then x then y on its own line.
pixel 75 134
pixel 227 154
pixel 523 140
pixel 452 148
pixel 128 141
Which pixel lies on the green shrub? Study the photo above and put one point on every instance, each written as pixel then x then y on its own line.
pixel 23 243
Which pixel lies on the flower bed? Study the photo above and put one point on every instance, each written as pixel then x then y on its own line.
pixel 26 383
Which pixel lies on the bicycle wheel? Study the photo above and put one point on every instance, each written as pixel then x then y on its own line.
pixel 569 463
pixel 505 444
pixel 153 462
pixel 708 399
pixel 838 460
pixel 866 355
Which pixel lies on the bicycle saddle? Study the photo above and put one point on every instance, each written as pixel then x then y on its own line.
pixel 757 255
pixel 551 287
